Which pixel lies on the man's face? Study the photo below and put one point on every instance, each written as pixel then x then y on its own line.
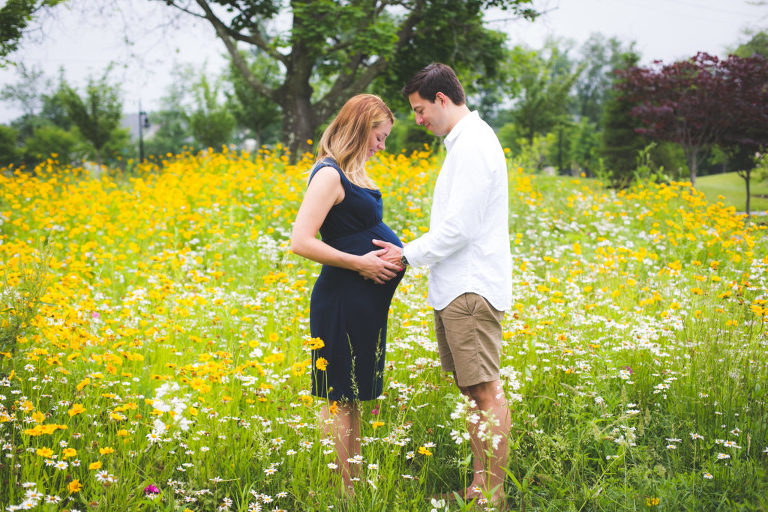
pixel 432 115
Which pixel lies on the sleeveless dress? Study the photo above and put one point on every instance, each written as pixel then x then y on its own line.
pixel 347 312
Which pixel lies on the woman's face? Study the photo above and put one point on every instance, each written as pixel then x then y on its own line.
pixel 378 136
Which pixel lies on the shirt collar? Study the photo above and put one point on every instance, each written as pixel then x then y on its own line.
pixel 460 127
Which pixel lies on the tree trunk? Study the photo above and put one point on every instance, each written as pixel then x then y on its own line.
pixel 693 156
pixel 299 125
pixel 300 120
pixel 747 178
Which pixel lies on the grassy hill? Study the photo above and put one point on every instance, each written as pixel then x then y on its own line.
pixel 733 191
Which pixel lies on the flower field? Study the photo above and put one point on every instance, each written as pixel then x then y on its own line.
pixel 154 347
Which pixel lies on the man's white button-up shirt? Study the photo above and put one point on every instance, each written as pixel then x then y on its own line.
pixel 467 245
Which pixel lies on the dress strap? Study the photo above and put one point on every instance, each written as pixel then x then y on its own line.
pixel 330 162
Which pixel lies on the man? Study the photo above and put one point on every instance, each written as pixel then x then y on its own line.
pixel 467 251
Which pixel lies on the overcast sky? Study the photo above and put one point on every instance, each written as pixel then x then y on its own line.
pixel 146 39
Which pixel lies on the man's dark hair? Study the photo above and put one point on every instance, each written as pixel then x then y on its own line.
pixel 436 78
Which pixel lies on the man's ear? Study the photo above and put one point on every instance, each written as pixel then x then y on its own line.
pixel 440 96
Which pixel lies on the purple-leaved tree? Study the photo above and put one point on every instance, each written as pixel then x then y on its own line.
pixel 684 102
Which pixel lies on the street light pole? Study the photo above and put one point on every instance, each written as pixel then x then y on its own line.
pixel 143 123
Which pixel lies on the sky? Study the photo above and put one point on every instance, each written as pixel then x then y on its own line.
pixel 144 40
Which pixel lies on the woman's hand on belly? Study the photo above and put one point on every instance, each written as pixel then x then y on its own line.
pixel 376 265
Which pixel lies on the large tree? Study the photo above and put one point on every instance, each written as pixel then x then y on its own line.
pixel 683 102
pixel 620 142
pixel 335 49
pixel 746 134
pixel 600 56
pixel 540 83
pixel 702 102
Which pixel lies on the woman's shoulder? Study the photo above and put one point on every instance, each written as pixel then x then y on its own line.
pixel 325 176
pixel 326 172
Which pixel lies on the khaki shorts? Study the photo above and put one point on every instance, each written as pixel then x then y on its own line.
pixel 469 339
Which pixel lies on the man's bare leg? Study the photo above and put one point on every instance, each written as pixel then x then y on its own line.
pixel 491 406
pixel 477 446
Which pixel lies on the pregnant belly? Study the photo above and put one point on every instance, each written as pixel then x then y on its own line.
pixel 335 281
pixel 361 242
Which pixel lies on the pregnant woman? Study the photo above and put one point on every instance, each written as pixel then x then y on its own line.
pixel 351 297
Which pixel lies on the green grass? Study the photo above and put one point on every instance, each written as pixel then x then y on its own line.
pixel 731 190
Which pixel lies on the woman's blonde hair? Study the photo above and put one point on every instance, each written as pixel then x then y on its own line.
pixel 346 138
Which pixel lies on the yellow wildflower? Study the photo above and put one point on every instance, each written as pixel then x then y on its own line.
pixel 76 409
pixel 74 486
pixel 44 452
pixel 315 343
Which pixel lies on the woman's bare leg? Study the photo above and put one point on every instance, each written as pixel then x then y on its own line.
pixel 343 427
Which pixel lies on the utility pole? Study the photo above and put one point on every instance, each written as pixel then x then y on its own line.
pixel 143 123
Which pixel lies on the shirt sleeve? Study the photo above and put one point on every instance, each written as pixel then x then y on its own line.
pixel 467 197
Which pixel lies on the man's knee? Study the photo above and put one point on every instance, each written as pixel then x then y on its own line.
pixel 486 392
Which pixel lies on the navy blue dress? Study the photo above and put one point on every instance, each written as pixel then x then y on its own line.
pixel 347 312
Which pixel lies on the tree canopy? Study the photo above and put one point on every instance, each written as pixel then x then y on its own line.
pixel 701 102
pixel 15 16
pixel 541 83
pixel 335 49
pixel 97 114
pixel 600 56
pixel 211 122
pixel 757 44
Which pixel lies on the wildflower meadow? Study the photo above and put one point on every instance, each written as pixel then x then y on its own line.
pixel 155 349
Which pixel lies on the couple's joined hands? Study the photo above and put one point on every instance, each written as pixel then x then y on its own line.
pixel 381 265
